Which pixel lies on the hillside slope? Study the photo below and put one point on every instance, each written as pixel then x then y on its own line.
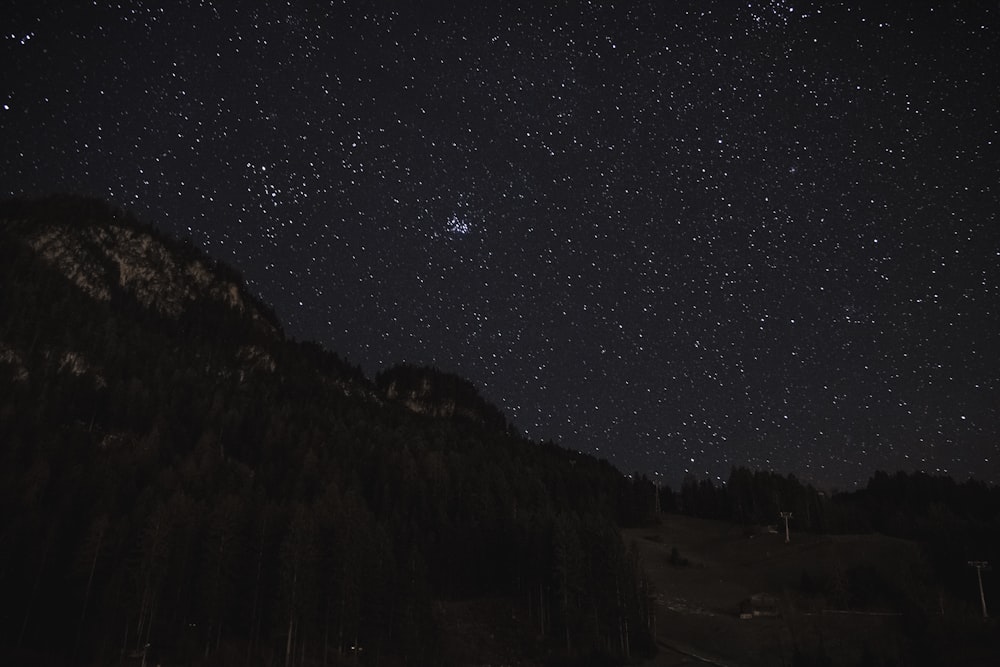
pixel 729 596
pixel 180 483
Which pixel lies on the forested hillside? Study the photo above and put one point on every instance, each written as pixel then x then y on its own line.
pixel 179 480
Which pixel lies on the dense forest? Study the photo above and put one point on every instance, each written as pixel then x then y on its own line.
pixel 180 483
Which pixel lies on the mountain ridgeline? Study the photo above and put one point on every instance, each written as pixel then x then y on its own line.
pixel 180 482
pixel 428 391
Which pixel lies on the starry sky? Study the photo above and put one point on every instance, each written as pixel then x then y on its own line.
pixel 678 235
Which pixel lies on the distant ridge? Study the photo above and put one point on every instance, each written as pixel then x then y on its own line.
pixel 429 391
pixel 108 253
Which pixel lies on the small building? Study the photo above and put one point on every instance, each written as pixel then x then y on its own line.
pixel 759 605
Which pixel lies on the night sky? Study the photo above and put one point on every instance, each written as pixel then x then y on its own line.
pixel 678 235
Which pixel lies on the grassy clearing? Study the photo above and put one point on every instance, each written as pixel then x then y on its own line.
pixel 840 600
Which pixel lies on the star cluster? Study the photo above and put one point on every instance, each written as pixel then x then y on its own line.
pixel 681 236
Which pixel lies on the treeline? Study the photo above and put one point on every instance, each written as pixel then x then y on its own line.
pixel 902 504
pixel 752 498
pixel 192 491
pixel 955 522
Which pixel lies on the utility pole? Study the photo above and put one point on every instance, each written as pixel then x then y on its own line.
pixel 656 481
pixel 979 565
pixel 786 516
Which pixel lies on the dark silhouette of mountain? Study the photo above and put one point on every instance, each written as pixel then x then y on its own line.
pixel 180 483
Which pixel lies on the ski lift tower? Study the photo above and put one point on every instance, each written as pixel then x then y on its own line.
pixel 980 565
pixel 786 516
